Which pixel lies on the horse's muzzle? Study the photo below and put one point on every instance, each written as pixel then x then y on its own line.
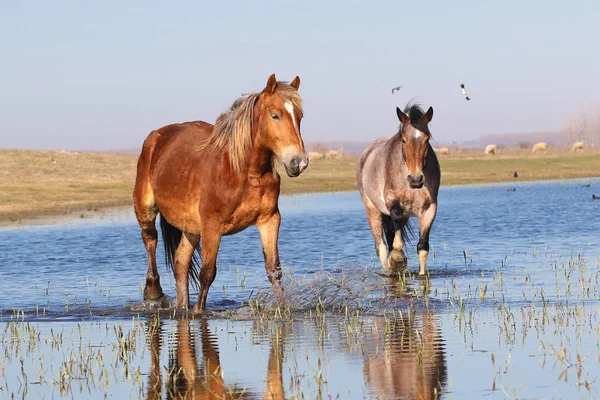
pixel 296 165
pixel 416 181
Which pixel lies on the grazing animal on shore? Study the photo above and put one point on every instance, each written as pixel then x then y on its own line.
pixel 540 147
pixel 334 154
pixel 398 178
pixel 491 149
pixel 577 146
pixel 443 151
pixel 208 181
pixel 315 155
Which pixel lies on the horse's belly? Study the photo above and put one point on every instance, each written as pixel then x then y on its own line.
pixel 182 215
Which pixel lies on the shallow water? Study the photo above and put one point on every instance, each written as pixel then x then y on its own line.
pixel 513 274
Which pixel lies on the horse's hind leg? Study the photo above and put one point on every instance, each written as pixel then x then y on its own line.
pixel 181 268
pixel 425 223
pixel 145 211
pixel 210 248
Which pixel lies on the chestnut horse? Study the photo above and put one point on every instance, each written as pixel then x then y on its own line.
pixel 207 181
pixel 398 178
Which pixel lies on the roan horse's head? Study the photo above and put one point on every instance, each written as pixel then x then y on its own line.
pixel 280 113
pixel 415 136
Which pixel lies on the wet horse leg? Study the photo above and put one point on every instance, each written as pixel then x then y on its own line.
pixel 374 217
pixel 183 259
pixel 425 223
pixel 152 290
pixel 397 260
pixel 146 216
pixel 210 248
pixel 269 235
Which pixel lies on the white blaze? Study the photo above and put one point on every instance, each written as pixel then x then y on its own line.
pixel 290 108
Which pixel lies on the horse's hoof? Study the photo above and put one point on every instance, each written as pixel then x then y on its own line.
pixel 197 310
pixel 153 295
pixel 387 273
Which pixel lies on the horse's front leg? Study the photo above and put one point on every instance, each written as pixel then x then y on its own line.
pixel 268 227
pixel 210 248
pixel 425 223
pixel 397 260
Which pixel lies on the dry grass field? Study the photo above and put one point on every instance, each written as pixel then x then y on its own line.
pixel 36 184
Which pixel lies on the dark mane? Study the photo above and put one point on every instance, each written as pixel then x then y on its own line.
pixel 416 114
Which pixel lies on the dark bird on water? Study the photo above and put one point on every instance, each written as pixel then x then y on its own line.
pixel 464 92
pixel 595 197
pixel 511 190
pixel 395 89
pixel 588 185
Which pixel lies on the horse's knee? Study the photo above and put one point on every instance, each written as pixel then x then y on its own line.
pixel 423 245
pixel 208 274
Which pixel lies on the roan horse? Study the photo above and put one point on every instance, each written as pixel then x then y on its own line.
pixel 398 178
pixel 210 181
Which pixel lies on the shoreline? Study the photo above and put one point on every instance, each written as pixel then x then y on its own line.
pixel 90 214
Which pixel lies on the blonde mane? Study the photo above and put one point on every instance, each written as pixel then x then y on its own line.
pixel 233 128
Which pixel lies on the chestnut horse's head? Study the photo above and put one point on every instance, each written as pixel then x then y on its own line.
pixel 279 109
pixel 415 135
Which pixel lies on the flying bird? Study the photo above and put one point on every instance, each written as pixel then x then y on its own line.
pixel 395 88
pixel 464 92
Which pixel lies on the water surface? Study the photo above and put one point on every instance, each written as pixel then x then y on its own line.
pixel 513 274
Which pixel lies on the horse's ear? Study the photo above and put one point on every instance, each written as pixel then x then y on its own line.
pixel 271 84
pixel 428 115
pixel 295 83
pixel 401 116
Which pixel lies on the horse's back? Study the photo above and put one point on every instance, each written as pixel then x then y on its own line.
pixel 182 138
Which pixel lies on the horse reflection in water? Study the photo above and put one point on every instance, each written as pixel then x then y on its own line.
pixel 186 378
pixel 410 360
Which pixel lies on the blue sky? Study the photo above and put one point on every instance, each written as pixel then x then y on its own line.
pixel 102 75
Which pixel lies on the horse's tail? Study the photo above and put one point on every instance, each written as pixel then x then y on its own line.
pixel 406 232
pixel 171 238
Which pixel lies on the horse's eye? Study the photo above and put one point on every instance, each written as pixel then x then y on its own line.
pixel 275 116
pixel 403 140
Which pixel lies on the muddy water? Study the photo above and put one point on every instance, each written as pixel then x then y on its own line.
pixel 510 310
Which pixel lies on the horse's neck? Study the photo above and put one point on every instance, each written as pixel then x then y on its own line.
pixel 395 152
pixel 260 159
